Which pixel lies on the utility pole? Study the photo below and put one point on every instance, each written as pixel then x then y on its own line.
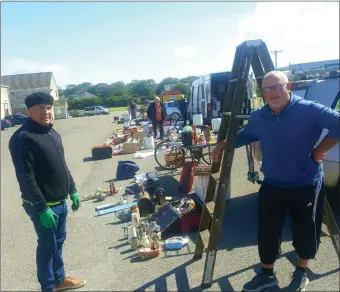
pixel 275 52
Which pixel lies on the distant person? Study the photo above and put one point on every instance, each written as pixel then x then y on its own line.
pixel 288 128
pixel 133 109
pixel 183 109
pixel 45 183
pixel 157 114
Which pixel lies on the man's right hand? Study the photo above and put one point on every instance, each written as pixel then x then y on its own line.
pixel 48 218
pixel 217 153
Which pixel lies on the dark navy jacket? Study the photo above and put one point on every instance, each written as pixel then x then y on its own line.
pixel 38 157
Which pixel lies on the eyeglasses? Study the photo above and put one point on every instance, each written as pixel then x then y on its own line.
pixel 276 87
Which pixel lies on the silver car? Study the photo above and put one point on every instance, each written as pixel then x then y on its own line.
pixel 96 110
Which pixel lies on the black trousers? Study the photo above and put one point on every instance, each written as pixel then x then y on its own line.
pixel 133 114
pixel 155 125
pixel 305 206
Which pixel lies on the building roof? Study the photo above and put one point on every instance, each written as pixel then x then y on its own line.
pixel 27 81
pixel 311 65
pixel 82 95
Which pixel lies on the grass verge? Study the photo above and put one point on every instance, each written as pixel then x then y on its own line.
pixel 117 109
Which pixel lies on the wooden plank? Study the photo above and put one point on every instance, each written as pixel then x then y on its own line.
pixel 205 235
pixel 210 207
pixel 202 170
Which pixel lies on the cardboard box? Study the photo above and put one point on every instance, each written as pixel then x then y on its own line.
pixel 140 135
pixel 129 148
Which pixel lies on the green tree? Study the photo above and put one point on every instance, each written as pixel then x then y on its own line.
pixel 145 88
pixel 60 92
pixel 118 89
pixel 189 80
pixel 165 81
pixel 100 89
pixel 185 90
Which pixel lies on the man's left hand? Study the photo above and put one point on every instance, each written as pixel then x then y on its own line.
pixel 318 156
pixel 75 200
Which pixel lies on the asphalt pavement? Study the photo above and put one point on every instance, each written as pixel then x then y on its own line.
pixel 96 248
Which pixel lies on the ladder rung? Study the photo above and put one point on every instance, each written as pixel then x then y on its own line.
pixel 205 235
pixel 210 207
pixel 243 117
pixel 202 170
pixel 237 116
pixel 233 80
pixel 226 113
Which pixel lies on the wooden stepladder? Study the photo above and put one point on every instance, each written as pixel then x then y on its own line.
pixel 255 54
pixel 250 53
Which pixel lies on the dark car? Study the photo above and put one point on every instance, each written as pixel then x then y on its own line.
pixel 5 124
pixel 16 119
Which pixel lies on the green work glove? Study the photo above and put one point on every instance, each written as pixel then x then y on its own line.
pixel 75 200
pixel 48 218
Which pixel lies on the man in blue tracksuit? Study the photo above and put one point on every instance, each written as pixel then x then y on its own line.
pixel 288 128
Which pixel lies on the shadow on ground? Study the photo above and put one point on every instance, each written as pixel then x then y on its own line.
pixel 182 281
pixel 239 230
pixel 88 159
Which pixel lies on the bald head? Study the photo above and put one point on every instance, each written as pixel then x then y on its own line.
pixel 275 88
pixel 277 75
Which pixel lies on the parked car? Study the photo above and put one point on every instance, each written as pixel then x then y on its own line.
pixel 96 110
pixel 16 119
pixel 5 124
pixel 172 110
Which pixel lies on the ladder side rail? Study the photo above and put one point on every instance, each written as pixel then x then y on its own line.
pixel 227 159
pixel 228 153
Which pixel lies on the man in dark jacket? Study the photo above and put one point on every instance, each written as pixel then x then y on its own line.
pixel 157 114
pixel 45 183
pixel 133 109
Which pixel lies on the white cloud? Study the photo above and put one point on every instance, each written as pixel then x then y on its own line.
pixel 305 31
pixel 184 52
pixel 21 66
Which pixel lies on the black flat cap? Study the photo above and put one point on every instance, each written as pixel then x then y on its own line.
pixel 38 98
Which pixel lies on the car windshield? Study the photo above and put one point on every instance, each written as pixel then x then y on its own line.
pixel 172 104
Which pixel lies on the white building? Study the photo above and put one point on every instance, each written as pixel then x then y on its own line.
pixel 22 85
pixel 61 109
pixel 6 108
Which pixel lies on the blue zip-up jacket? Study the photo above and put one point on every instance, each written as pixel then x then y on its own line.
pixel 288 139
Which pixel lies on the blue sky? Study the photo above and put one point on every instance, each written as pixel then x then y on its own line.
pixel 108 42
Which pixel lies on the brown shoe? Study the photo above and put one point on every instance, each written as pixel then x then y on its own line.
pixel 70 284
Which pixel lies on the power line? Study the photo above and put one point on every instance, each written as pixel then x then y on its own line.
pixel 275 52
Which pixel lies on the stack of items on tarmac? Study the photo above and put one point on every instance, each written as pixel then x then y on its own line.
pixel 135 135
pixel 154 220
